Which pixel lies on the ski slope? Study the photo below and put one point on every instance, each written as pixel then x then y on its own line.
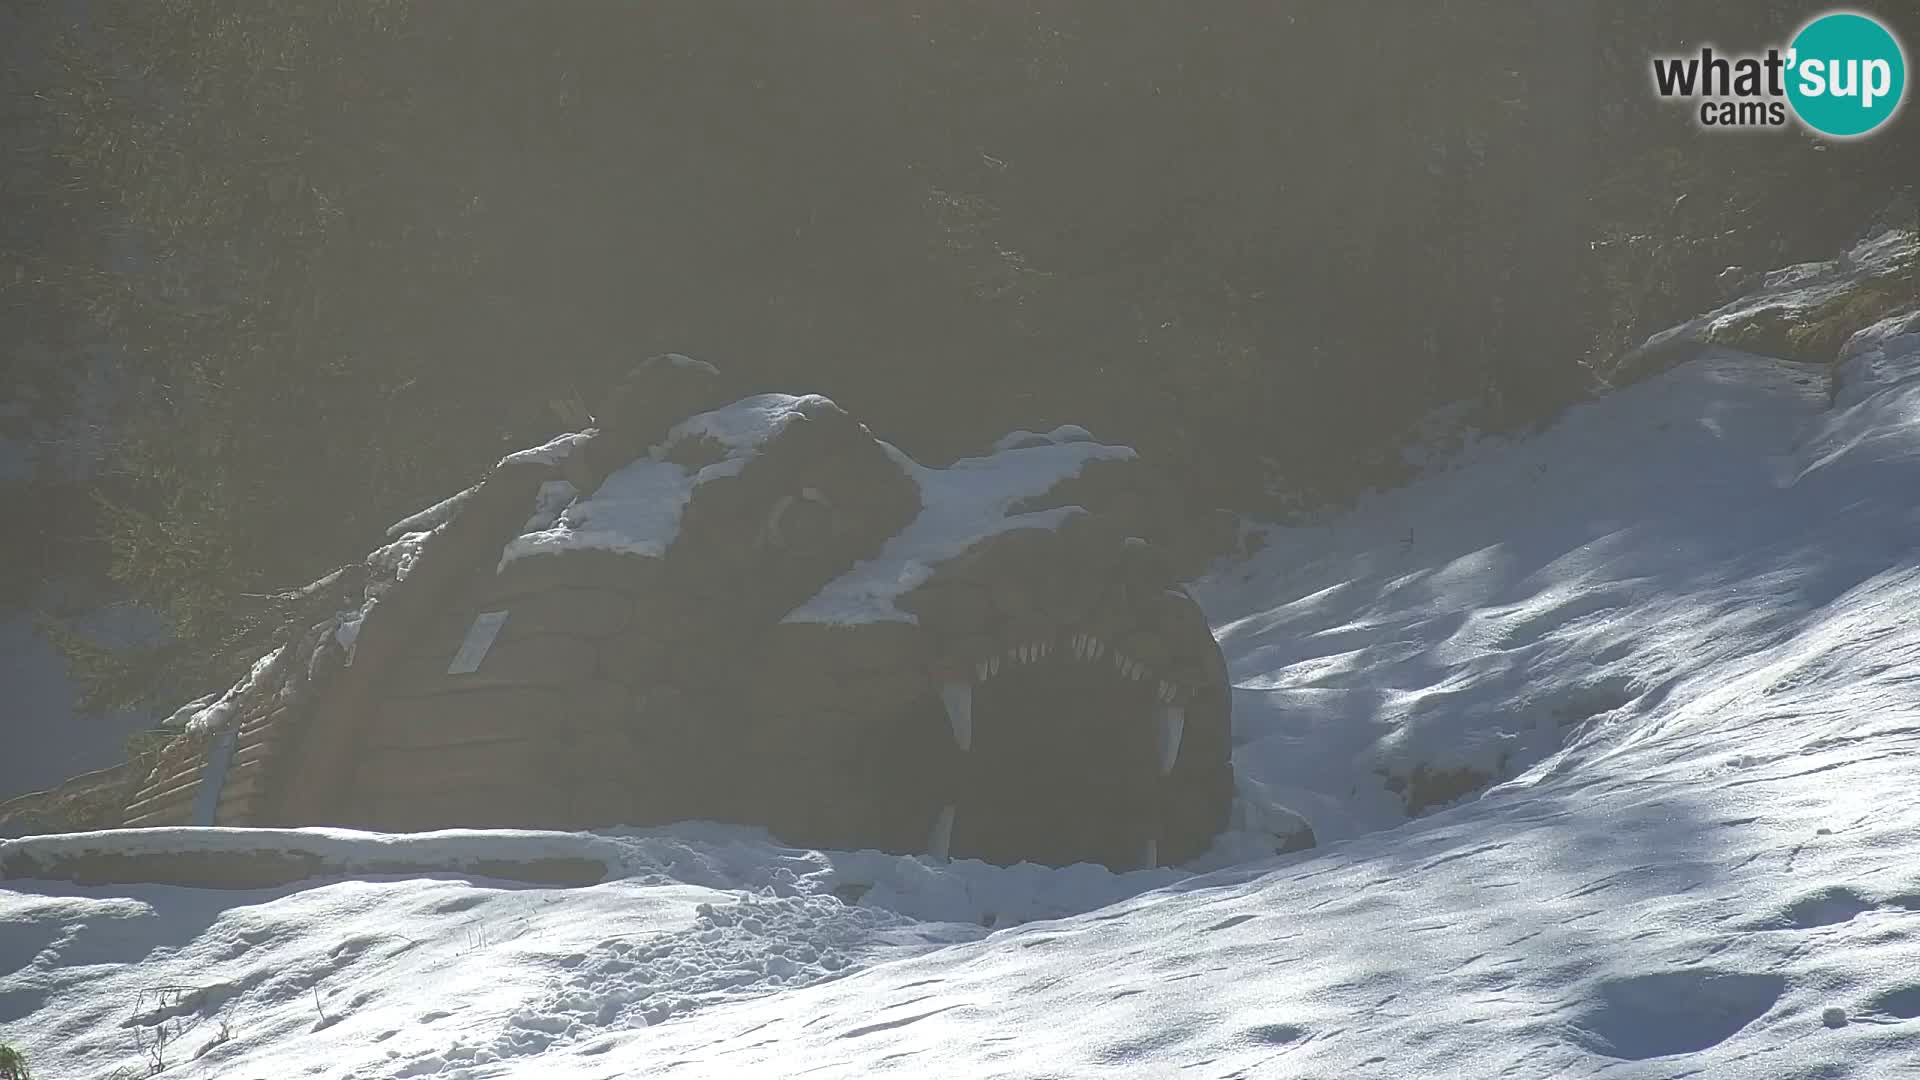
pixel 1674 633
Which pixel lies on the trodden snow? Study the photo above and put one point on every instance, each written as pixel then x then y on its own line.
pixel 1677 626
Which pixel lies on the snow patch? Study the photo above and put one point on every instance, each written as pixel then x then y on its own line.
pixel 219 715
pixel 1799 289
pixel 960 506
pixel 553 497
pixel 433 516
pixel 552 452
pixel 637 509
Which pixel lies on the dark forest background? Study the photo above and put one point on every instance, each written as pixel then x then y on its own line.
pixel 317 264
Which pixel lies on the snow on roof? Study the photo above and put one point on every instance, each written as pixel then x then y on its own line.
pixel 1020 438
pixel 682 360
pixel 746 425
pixel 217 715
pixel 432 516
pixel 637 508
pixel 389 564
pixel 551 452
pixel 960 506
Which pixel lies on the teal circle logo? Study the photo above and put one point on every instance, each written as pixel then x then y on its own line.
pixel 1847 75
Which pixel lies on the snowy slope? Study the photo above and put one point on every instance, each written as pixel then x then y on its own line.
pixel 1675 630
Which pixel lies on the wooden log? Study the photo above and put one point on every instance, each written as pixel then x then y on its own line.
pixel 176 811
pixel 266 721
pixel 538 660
pixel 196 869
pixel 579 612
pixel 238 813
pixel 257 754
pixel 627 572
pixel 595 701
pixel 487 714
pixel 479 806
pixel 271 868
pixel 636 656
pixel 601 803
pixel 249 785
pixel 506 764
pixel 175 788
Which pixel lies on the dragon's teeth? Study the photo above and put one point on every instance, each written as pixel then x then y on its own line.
pixel 1173 725
pixel 958 698
pixel 940 838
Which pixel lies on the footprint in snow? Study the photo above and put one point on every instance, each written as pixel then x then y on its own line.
pixel 1672 1012
pixel 1829 906
pixel 1902 1003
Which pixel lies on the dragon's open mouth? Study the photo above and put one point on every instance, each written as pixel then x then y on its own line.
pixel 1065 746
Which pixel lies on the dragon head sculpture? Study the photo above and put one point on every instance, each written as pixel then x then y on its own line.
pixel 752 610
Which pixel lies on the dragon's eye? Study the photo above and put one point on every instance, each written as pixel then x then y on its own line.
pixel 802 523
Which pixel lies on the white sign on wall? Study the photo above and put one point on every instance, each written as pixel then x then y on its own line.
pixel 486 627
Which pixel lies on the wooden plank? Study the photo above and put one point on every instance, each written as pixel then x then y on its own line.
pixel 252 788
pixel 257 753
pixel 159 782
pixel 238 813
pixel 488 713
pixel 181 790
pixel 253 783
pixel 159 821
pixel 174 780
pixel 542 660
pixel 508 763
pixel 255 728
pixel 183 803
pixel 172 813
pixel 474 806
